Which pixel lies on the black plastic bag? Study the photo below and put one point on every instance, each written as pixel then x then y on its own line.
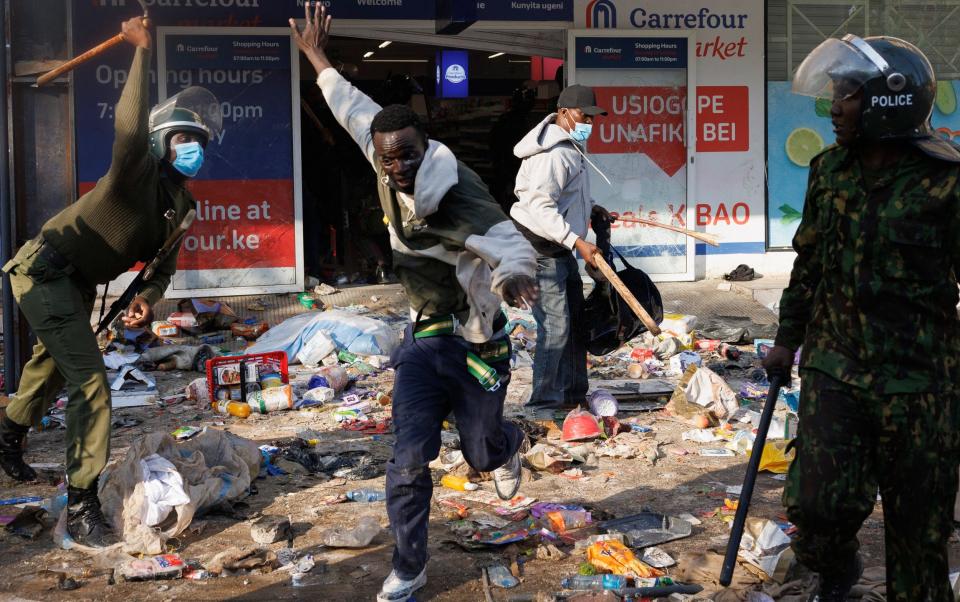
pixel 608 322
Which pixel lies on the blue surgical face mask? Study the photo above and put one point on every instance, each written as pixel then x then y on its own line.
pixel 580 132
pixel 189 158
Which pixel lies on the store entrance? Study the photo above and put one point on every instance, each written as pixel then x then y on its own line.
pixel 345 237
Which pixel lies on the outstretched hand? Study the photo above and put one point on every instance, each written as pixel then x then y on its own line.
pixel 312 40
pixel 520 291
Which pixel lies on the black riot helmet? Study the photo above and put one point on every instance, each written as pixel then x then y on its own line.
pixel 898 83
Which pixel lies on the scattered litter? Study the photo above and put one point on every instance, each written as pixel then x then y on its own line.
pixel 164 566
pixel 648 528
pixel 717 452
pixel 500 576
pixel 657 558
pixel 614 557
pixel 239 559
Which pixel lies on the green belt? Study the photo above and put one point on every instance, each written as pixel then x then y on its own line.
pixel 477 366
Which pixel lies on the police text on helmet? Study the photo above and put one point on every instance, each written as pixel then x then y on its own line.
pixel 892 100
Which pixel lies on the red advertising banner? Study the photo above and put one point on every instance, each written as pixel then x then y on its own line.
pixel 241 224
pixel 642 119
pixel 723 119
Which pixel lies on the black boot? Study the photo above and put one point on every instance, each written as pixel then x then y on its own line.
pixel 835 588
pixel 85 521
pixel 11 451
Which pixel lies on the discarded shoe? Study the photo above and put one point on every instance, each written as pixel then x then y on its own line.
pixel 741 273
pixel 85 521
pixel 11 451
pixel 395 589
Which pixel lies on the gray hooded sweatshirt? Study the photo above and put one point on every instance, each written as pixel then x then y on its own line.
pixel 552 186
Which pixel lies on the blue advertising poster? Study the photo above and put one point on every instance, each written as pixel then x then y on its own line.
pixel 453 75
pixel 631 53
pixel 798 128
pixel 247 227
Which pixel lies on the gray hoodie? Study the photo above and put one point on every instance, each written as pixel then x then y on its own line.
pixel 552 185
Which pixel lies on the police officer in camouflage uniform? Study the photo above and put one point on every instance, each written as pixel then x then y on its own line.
pixel 872 299
pixel 125 218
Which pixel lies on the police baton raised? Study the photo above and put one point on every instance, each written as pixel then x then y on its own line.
pixel 99 49
pixel 749 480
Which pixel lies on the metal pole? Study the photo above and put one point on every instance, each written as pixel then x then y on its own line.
pixel 6 212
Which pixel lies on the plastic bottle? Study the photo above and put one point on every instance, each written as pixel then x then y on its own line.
pixel 271 400
pixel 594 582
pixel 366 495
pixel 458 483
pixel 234 408
pixel 346 357
pixel 333 377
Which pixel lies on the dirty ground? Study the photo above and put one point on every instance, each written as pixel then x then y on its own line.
pixel 674 479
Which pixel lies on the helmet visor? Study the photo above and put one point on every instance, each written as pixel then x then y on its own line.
pixel 200 102
pixel 834 70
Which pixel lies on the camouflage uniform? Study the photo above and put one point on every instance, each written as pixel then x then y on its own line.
pixel 872 298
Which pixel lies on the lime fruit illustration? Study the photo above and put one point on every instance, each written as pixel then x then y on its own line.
pixel 946 98
pixel 822 107
pixel 802 145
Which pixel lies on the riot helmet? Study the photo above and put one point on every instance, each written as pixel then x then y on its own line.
pixel 194 109
pixel 898 83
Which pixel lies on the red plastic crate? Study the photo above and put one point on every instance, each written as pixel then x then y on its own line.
pixel 278 358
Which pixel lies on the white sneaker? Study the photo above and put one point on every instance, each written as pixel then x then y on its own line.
pixel 395 589
pixel 506 479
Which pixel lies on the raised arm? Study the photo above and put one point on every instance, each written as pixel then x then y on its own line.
pixel 131 146
pixel 353 109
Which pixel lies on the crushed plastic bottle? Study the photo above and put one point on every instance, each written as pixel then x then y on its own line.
pixel 594 582
pixel 366 495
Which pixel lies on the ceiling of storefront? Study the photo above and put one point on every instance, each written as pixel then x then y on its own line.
pixel 418 59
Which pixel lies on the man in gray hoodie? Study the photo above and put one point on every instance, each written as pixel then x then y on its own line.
pixel 554 212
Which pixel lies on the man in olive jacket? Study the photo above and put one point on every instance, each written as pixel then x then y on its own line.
pixel 126 218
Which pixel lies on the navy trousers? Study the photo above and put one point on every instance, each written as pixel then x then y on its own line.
pixel 431 381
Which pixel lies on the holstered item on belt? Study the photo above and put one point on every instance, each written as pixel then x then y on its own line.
pixel 53 257
pixel 38 248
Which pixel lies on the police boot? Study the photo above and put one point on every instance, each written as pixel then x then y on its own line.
pixel 835 588
pixel 11 451
pixel 85 521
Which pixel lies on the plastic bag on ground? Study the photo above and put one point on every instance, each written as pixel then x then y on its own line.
pixel 163 489
pixel 367 528
pixel 215 467
pixel 775 458
pixel 356 334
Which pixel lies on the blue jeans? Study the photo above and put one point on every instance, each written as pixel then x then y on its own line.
pixel 432 380
pixel 560 363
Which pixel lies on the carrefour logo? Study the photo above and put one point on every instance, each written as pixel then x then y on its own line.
pixel 455 74
pixel 601 14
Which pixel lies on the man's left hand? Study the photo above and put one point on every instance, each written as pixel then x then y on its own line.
pixel 139 314
pixel 521 291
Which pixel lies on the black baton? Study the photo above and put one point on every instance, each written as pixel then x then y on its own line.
pixel 749 480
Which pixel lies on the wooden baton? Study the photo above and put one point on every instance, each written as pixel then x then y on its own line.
pixel 710 239
pixel 625 293
pixel 76 61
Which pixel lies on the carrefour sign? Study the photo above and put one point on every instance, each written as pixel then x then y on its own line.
pixel 602 14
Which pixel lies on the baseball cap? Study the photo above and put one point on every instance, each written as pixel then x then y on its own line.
pixel 580 97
